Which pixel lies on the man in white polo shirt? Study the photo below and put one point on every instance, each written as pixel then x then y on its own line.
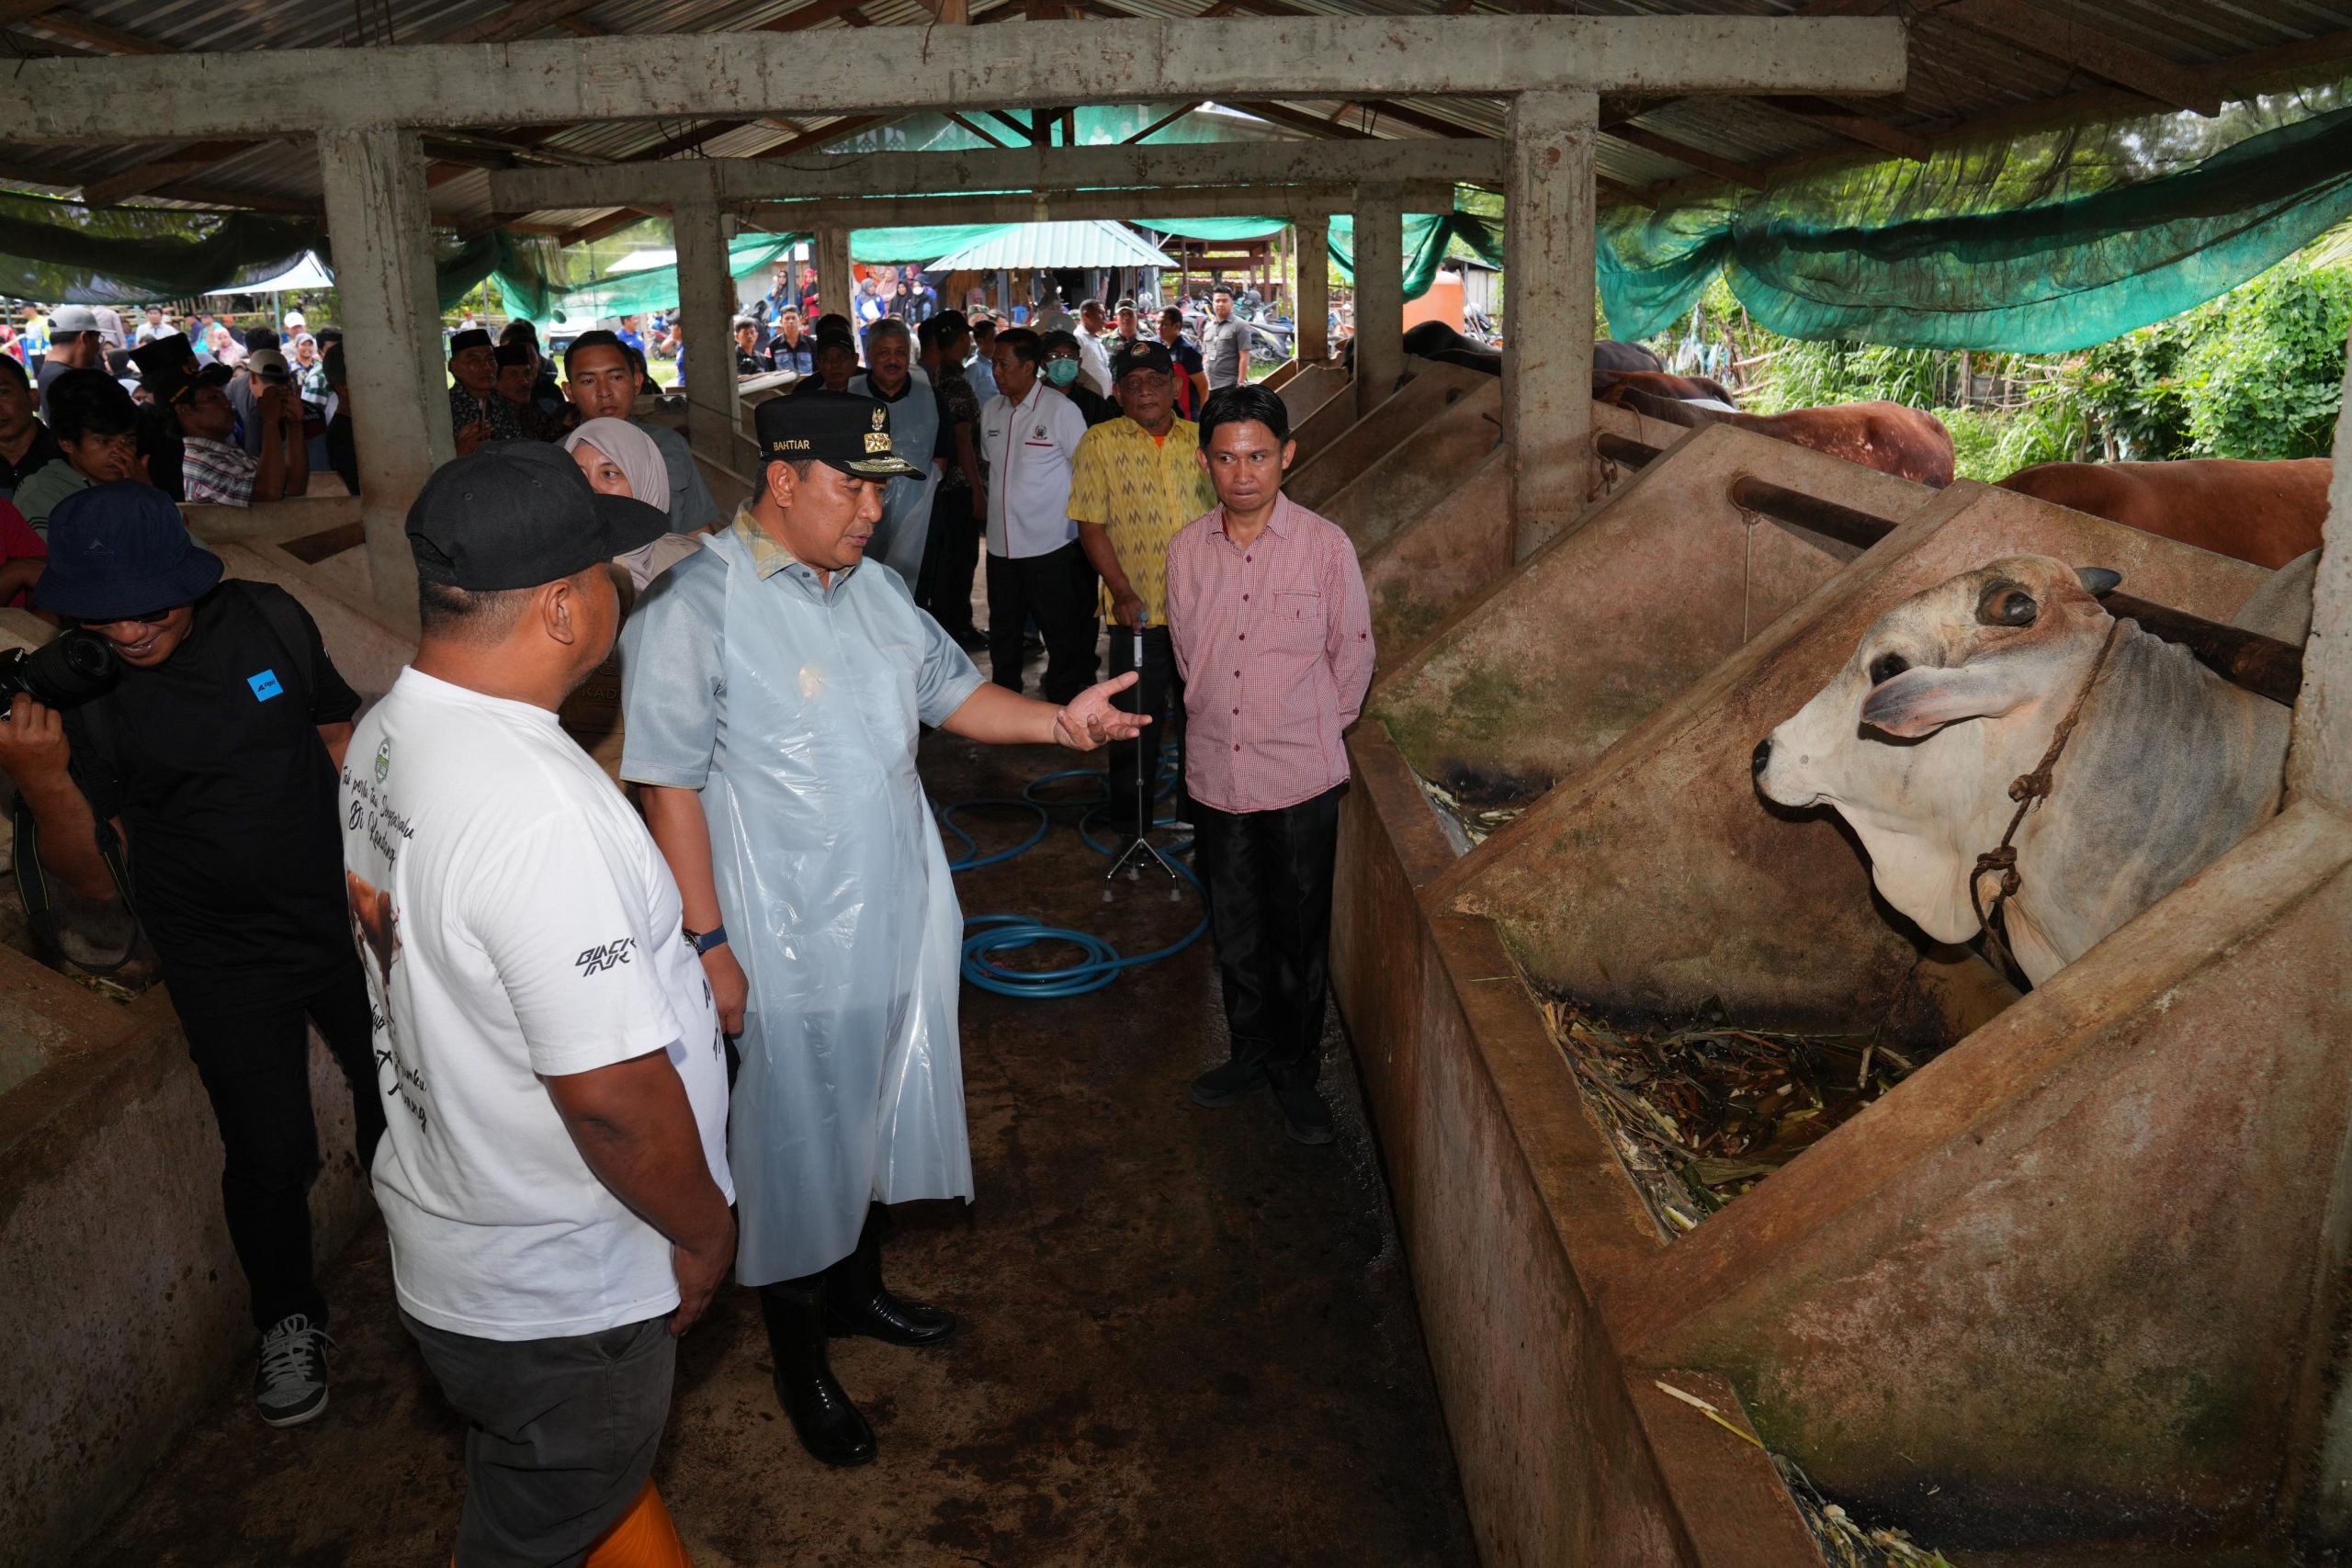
pixel 555 1180
pixel 1037 569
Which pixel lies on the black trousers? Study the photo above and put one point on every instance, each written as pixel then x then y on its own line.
pixel 256 1067
pixel 951 557
pixel 1161 693
pixel 1269 879
pixel 1058 590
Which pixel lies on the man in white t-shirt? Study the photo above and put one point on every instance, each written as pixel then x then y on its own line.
pixel 555 1181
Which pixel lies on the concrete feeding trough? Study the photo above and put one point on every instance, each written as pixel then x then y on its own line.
pixel 2021 1300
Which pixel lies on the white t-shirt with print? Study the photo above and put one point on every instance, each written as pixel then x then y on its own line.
pixel 515 919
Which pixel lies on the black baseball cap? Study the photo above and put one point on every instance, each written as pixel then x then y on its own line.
pixel 518 514
pixel 1143 353
pixel 841 430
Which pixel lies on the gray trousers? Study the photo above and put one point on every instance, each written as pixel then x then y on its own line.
pixel 559 1435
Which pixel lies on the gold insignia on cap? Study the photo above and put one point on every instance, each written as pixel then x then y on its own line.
pixel 881 417
pixel 878 442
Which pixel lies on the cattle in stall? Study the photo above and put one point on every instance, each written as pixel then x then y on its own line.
pixel 1616 386
pixel 1960 690
pixel 1435 340
pixel 2265 512
pixel 1905 442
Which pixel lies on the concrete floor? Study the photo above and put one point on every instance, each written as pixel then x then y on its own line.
pixel 1192 1341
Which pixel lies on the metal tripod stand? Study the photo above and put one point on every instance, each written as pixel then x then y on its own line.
pixel 1142 850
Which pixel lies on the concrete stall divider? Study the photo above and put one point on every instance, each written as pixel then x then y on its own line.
pixel 1330 459
pixel 106 1131
pixel 2089 1338
pixel 1420 572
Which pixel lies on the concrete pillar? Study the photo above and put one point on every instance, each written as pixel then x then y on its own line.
pixel 1547 335
pixel 834 285
pixel 1312 308
pixel 707 303
pixel 382 233
pixel 2319 763
pixel 1380 297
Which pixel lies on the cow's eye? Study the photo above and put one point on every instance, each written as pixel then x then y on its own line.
pixel 2005 604
pixel 1886 667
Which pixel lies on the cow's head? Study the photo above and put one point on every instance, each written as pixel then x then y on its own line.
pixel 1951 694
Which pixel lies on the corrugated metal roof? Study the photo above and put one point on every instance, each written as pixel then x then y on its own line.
pixel 1961 75
pixel 1087 244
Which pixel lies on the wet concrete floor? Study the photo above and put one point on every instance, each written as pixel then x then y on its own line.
pixel 1191 1341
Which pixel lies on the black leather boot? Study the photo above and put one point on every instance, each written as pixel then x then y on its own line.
pixel 829 1427
pixel 857 1302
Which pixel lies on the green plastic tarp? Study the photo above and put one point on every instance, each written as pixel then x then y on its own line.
pixel 2035 243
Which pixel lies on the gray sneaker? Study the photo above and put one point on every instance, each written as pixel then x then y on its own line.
pixel 290 1383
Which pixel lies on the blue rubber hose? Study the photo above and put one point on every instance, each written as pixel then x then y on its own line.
pixel 1098 962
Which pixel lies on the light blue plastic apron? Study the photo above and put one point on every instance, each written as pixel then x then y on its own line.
pixel 840 908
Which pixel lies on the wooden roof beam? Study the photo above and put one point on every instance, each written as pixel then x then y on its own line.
pixel 104 37
pixel 1697 158
pixel 2088 49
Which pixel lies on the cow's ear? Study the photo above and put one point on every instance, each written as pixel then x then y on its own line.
pixel 2098 581
pixel 1923 699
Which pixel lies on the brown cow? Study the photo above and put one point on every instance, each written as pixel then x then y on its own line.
pixel 1612 387
pixel 1886 437
pixel 2265 512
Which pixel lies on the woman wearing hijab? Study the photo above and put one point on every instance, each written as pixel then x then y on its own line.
pixel 620 459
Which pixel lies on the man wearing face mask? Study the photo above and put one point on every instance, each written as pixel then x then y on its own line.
pixel 1065 371
pixel 211 763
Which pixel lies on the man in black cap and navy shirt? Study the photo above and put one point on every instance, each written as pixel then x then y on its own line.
pixel 814 884
pixel 212 760
pixel 478 413
pixel 554 1180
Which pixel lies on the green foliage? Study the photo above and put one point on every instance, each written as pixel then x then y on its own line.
pixel 2257 373
pixel 2267 379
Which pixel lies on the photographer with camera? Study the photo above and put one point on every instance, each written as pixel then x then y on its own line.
pixel 211 759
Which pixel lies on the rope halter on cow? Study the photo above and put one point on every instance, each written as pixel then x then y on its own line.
pixel 2025 789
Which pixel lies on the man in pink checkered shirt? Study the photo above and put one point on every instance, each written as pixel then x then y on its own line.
pixel 1272 634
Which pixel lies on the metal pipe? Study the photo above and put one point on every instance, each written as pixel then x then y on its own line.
pixel 2263 665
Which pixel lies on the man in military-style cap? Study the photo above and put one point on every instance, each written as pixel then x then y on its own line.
pixel 814 885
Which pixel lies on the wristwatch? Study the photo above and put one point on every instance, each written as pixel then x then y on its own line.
pixel 703 942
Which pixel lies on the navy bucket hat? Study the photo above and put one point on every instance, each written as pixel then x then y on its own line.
pixel 122 550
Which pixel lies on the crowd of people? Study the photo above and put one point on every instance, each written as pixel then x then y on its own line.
pixel 606 1047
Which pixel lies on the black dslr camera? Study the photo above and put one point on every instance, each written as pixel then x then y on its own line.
pixel 75 667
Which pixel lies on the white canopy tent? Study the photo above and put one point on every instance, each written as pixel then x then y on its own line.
pixel 308 274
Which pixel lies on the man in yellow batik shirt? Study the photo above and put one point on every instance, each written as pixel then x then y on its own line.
pixel 1135 483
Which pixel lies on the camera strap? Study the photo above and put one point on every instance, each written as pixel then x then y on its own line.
pixel 41 908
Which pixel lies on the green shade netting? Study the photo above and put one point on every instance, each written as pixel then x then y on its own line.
pixel 922 246
pixel 68 252
pixel 523 268
pixel 656 287
pixel 1217 228
pixel 2038 244
pixel 64 252
pixel 1428 239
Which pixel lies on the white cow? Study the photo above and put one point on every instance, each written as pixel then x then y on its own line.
pixel 1958 689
